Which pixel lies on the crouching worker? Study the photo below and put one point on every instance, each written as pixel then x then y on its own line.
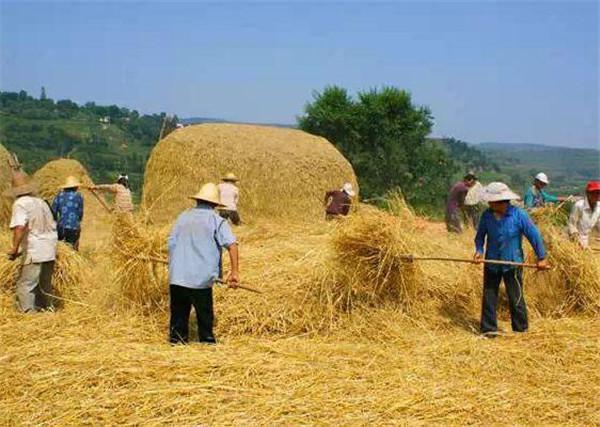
pixel 501 228
pixel 195 245
pixel 34 232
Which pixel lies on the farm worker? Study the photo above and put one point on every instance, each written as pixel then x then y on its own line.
pixel 68 209
pixel 34 232
pixel 501 229
pixel 536 196
pixel 585 215
pixel 195 245
pixel 473 203
pixel 122 193
pixel 456 202
pixel 338 202
pixel 229 194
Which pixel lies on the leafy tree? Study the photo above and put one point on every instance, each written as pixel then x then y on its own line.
pixel 383 134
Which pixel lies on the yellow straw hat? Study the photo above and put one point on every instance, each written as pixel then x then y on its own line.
pixel 208 193
pixel 230 177
pixel 71 182
pixel 21 185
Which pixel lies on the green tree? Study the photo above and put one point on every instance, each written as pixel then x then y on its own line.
pixel 383 134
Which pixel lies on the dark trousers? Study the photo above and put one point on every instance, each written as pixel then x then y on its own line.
pixel 232 216
pixel 182 300
pixel 70 236
pixel 513 282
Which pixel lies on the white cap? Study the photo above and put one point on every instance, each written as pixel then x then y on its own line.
pixel 347 188
pixel 542 177
pixel 498 191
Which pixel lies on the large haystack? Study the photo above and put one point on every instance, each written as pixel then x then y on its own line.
pixel 5 175
pixel 283 172
pixel 51 177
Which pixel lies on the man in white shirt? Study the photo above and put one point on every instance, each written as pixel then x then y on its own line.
pixel 229 194
pixel 585 215
pixel 34 232
pixel 474 203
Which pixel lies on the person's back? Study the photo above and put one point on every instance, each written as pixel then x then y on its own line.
pixel 229 194
pixel 68 207
pixel 339 202
pixel 33 213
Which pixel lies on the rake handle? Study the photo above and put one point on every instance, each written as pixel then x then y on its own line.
pixel 100 199
pixel 470 261
pixel 164 261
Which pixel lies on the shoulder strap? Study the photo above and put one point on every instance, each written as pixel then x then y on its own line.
pixel 54 214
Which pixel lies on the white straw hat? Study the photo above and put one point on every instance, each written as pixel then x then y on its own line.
pixel 498 191
pixel 542 177
pixel 347 188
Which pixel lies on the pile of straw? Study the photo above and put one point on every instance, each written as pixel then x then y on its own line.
pixel 71 278
pixel 5 182
pixel 284 173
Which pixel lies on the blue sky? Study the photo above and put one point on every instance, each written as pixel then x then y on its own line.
pixel 489 71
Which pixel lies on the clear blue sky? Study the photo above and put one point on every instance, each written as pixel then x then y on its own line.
pixel 489 71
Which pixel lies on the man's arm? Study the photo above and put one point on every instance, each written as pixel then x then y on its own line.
pixel 532 234
pixel 18 235
pixel 480 238
pixel 234 275
pixel 549 198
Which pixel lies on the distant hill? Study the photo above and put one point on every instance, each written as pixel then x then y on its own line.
pixel 568 168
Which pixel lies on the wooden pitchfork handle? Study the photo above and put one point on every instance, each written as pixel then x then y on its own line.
pixel 165 261
pixel 469 261
pixel 100 199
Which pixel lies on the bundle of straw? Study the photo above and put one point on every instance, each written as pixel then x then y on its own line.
pixel 70 280
pixel 5 182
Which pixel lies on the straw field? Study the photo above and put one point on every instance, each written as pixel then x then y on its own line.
pixel 347 331
pixel 284 173
pixel 5 179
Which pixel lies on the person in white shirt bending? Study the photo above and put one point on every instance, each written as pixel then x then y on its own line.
pixel 229 195
pixel 34 233
pixel 585 215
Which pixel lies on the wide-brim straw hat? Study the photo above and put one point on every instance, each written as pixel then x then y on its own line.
pixel 497 192
pixel 71 182
pixel 230 177
pixel 208 193
pixel 21 185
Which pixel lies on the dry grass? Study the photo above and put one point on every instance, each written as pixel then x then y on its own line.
pixel 5 180
pixel 284 172
pixel 394 355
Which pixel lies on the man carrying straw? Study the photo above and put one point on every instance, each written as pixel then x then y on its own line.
pixel 536 196
pixel 585 215
pixel 501 229
pixel 68 208
pixel 34 232
pixel 195 245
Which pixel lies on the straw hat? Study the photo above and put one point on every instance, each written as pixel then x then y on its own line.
pixel 497 192
pixel 208 193
pixel 230 177
pixel 21 185
pixel 347 188
pixel 71 182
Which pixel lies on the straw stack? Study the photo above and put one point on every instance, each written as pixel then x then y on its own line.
pixel 5 180
pixel 284 173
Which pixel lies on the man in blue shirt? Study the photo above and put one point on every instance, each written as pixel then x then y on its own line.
pixel 501 228
pixel 195 245
pixel 68 208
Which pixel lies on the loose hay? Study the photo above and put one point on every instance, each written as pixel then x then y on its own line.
pixel 284 173
pixel 70 280
pixel 5 182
